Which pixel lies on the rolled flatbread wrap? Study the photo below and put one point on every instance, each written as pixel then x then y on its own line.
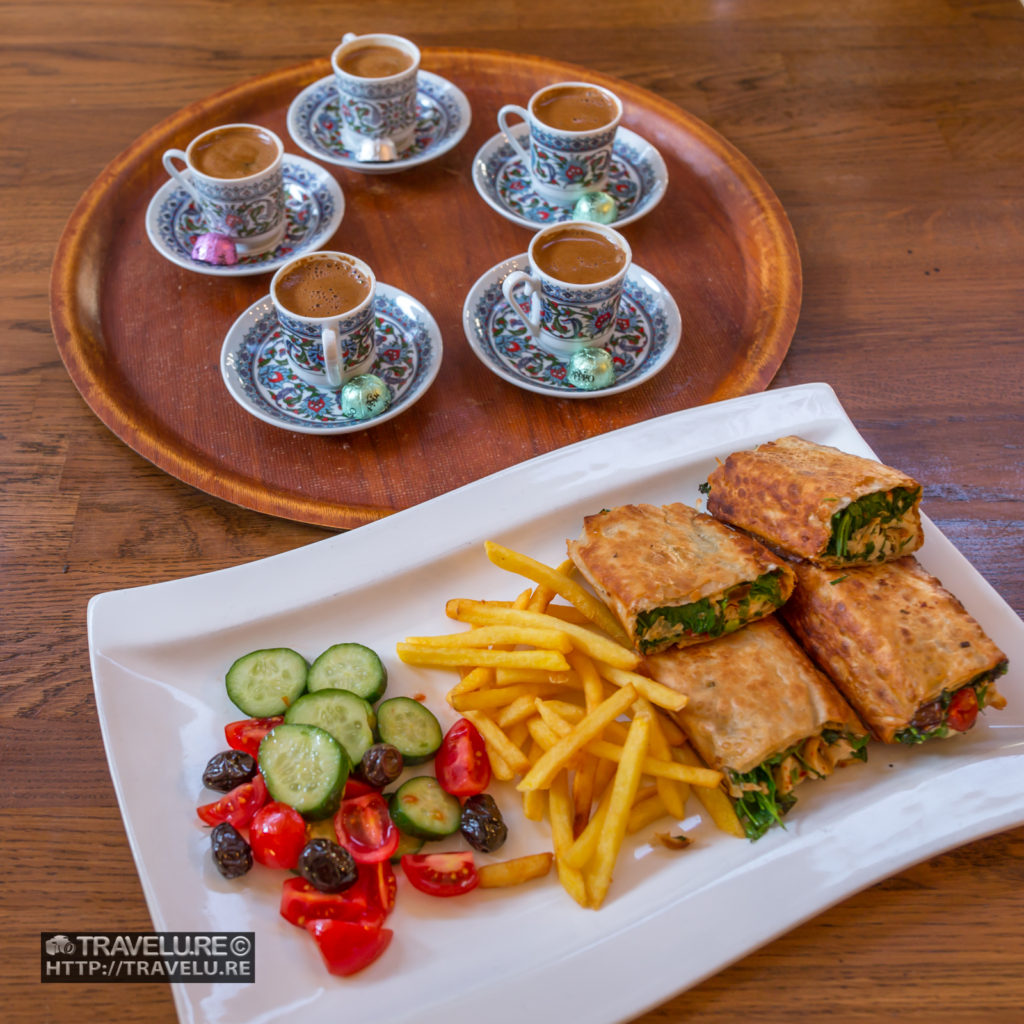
pixel 818 503
pixel 673 575
pixel 763 715
pixel 901 648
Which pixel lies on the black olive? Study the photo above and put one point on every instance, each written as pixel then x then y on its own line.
pixel 327 866
pixel 231 853
pixel 381 764
pixel 482 823
pixel 228 769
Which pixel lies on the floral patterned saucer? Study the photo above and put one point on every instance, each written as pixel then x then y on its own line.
pixel 442 119
pixel 637 178
pixel 255 366
pixel 314 206
pixel 647 334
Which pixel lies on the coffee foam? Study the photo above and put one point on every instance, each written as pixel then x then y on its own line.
pixel 322 287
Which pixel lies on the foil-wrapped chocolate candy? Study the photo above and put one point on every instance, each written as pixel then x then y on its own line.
pixel 216 249
pixel 364 397
pixel 591 369
pixel 597 207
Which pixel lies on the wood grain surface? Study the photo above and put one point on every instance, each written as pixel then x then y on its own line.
pixel 893 135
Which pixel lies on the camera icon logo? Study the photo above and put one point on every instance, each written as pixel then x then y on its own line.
pixel 59 945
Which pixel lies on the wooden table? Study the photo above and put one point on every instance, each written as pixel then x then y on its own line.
pixel 893 136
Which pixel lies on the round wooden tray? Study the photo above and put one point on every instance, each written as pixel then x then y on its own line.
pixel 141 337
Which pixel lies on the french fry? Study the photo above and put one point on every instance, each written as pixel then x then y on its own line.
pixel 498 741
pixel 521 709
pixel 486 636
pixel 544 595
pixel 599 647
pixel 475 679
pixel 646 812
pixel 624 788
pixel 534 800
pixel 506 873
pixel 514 676
pixel 668 789
pixel 453 657
pixel 657 693
pixel 497 697
pixel 715 801
pixel 560 816
pixel 695 775
pixel 562 584
pixel 585 843
pixel 586 730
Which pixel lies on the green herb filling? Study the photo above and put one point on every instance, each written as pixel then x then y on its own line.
pixel 880 513
pixel 738 605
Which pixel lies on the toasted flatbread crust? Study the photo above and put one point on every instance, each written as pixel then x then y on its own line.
pixel 640 557
pixel 890 637
pixel 787 491
pixel 752 694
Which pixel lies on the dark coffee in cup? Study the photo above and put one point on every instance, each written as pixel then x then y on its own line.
pixel 374 61
pixel 576 255
pixel 322 286
pixel 235 151
pixel 574 108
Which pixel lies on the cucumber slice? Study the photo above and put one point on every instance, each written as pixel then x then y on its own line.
pixel 406 844
pixel 264 683
pixel 304 767
pixel 352 667
pixel 348 718
pixel 405 723
pixel 421 808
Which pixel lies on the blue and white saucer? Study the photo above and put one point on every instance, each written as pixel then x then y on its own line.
pixel 647 333
pixel 442 119
pixel 255 366
pixel 637 178
pixel 314 206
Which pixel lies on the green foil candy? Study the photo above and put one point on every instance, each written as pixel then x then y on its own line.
pixel 591 369
pixel 597 207
pixel 364 396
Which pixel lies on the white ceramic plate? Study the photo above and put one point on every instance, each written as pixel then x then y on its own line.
pixel 158 658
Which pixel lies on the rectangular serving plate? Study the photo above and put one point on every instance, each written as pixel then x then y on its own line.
pixel 159 654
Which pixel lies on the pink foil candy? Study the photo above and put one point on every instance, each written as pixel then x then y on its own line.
pixel 216 249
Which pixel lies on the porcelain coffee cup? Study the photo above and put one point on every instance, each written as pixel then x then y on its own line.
pixel 376 77
pixel 330 330
pixel 234 174
pixel 570 157
pixel 573 297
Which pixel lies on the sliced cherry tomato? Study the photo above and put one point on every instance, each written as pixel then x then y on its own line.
pixel 277 835
pixel 441 874
pixel 378 884
pixel 357 787
pixel 365 828
pixel 348 946
pixel 963 709
pixel 246 734
pixel 302 902
pixel 461 764
pixel 238 806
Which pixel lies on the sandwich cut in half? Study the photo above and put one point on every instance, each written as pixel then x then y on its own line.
pixel 673 575
pixel 902 649
pixel 818 503
pixel 763 715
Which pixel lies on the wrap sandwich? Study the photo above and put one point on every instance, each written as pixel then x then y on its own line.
pixel 901 648
pixel 763 715
pixel 673 575
pixel 818 503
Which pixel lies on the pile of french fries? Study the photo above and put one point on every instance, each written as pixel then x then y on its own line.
pixel 558 695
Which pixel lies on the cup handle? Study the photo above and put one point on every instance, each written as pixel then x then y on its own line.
pixel 532 285
pixel 177 154
pixel 503 115
pixel 348 37
pixel 334 357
